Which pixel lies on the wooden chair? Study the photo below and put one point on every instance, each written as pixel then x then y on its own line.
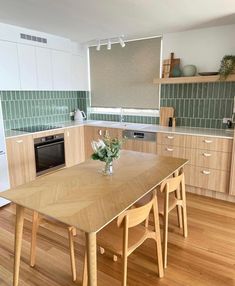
pixel 167 203
pixel 126 234
pixel 71 233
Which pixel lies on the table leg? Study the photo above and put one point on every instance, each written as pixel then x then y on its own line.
pixel 18 242
pixel 91 258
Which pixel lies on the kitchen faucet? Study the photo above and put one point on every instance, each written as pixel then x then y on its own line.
pixel 121 115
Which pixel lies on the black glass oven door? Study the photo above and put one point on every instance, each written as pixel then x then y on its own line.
pixel 49 155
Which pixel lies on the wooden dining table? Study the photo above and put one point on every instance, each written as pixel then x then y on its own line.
pixel 81 196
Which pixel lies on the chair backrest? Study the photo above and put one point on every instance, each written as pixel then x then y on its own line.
pixel 136 216
pixel 172 184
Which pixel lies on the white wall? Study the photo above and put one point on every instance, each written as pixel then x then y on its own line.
pixel 203 47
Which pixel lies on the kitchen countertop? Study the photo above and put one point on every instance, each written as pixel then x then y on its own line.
pixel 209 132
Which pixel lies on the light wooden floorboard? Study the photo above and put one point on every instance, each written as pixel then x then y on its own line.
pixel 205 258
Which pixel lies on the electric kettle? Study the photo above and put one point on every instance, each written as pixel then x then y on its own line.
pixel 79 115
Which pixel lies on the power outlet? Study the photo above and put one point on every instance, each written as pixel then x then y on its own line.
pixel 225 120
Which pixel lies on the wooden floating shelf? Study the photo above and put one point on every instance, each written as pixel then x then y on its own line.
pixel 191 79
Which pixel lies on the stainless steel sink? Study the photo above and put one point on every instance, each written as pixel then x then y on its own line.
pixel 129 125
pixel 101 123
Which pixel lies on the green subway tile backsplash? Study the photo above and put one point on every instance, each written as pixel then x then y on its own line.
pixel 196 105
pixel 28 108
pixel 200 104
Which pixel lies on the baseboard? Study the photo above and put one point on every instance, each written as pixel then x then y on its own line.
pixel 211 194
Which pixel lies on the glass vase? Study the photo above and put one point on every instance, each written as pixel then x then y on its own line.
pixel 108 169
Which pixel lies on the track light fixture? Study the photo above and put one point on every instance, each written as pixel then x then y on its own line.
pixel 109 42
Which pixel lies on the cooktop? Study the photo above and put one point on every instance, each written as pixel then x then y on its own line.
pixel 36 128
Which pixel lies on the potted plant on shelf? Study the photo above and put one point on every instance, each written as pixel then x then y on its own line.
pixel 107 150
pixel 227 66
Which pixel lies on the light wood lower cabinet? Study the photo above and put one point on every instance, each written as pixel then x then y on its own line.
pixel 209 159
pixel 232 174
pixel 209 179
pixel 140 146
pixel 74 146
pixel 95 133
pixel 21 160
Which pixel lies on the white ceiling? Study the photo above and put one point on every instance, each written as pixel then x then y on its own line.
pixel 85 20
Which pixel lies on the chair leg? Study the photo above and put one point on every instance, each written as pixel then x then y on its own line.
pixel 147 222
pixel 165 239
pixel 84 276
pixel 35 223
pixel 124 270
pixel 179 209
pixel 158 238
pixel 124 252
pixel 72 254
pixel 185 223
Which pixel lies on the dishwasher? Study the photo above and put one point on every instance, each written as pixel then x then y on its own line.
pixel 140 141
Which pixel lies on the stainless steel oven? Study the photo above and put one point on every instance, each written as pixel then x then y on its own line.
pixel 49 153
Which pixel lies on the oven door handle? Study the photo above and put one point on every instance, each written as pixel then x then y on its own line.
pixel 50 144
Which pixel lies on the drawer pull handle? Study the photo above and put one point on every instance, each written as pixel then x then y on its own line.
pixel 207 154
pixel 100 132
pixel 170 137
pixel 19 141
pixel 206 172
pixel 208 141
pixel 169 149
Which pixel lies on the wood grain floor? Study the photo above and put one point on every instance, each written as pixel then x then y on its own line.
pixel 205 258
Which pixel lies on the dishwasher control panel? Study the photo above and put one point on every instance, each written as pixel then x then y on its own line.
pixel 139 135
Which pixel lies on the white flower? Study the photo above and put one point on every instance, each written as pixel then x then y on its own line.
pixel 96 145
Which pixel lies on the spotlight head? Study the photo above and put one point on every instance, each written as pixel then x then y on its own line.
pixel 109 45
pixel 98 46
pixel 122 43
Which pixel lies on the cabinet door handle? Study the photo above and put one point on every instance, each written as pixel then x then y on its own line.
pixel 68 134
pixel 170 137
pixel 207 154
pixel 100 132
pixel 206 172
pixel 169 149
pixel 19 141
pixel 208 141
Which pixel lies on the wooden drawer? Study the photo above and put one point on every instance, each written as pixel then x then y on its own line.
pixel 206 178
pixel 197 157
pixel 214 144
pixel 171 139
pixel 209 159
pixel 171 151
pixel 196 142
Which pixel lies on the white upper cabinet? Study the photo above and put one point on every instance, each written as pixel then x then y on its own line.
pixel 9 70
pixel 79 73
pixel 55 64
pixel 27 65
pixel 61 70
pixel 44 68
